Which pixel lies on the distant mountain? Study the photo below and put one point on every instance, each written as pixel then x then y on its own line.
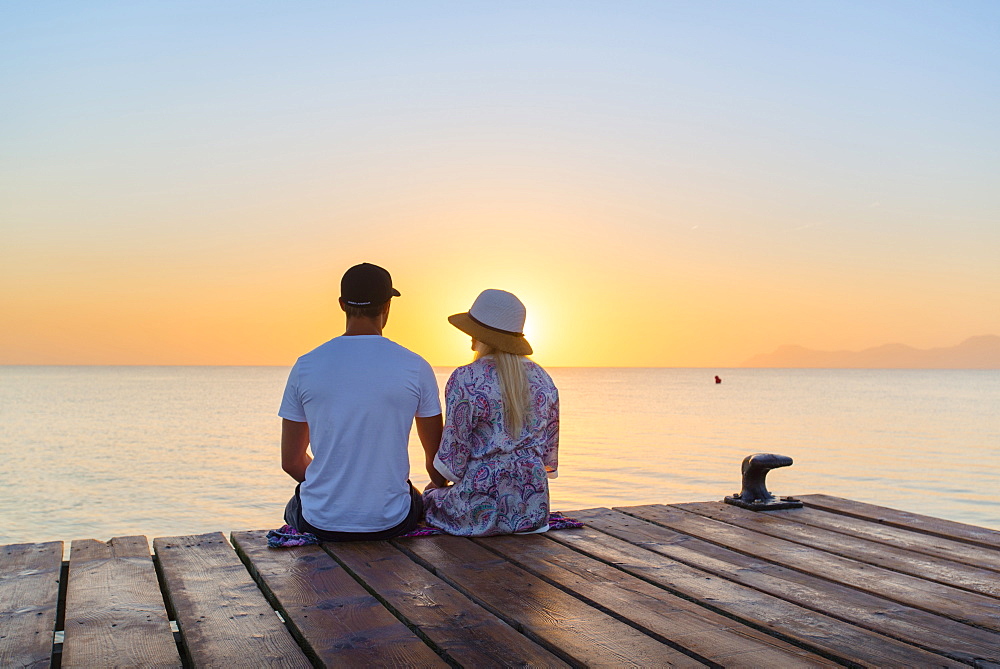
pixel 981 352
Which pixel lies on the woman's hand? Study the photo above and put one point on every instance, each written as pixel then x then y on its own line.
pixel 434 486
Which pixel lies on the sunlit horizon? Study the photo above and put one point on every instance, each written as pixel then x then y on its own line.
pixel 664 184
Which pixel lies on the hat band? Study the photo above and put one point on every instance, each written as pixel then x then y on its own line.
pixel 490 327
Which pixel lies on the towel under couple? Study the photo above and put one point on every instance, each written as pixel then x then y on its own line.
pixel 354 399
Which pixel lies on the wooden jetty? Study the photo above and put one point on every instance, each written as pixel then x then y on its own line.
pixel 837 582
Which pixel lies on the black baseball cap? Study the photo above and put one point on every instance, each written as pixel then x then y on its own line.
pixel 365 285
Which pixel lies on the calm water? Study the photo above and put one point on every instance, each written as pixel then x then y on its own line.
pixel 96 452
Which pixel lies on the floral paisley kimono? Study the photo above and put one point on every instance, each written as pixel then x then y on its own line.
pixel 500 480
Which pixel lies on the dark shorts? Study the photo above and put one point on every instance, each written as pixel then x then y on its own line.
pixel 293 516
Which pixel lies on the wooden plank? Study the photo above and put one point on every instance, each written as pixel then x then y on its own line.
pixel 918 542
pixel 940 570
pixel 29 594
pixel 829 618
pixel 464 632
pixel 334 618
pixel 223 618
pixel 949 529
pixel 960 605
pixel 650 608
pixel 562 623
pixel 114 608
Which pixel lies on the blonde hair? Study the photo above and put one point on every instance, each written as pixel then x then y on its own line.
pixel 513 385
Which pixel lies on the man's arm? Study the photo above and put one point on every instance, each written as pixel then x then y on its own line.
pixel 294 442
pixel 429 431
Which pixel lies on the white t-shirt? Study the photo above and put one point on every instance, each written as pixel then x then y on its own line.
pixel 359 395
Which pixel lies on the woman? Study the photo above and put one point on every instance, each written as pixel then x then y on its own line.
pixel 501 433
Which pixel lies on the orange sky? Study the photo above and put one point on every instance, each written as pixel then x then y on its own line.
pixel 662 186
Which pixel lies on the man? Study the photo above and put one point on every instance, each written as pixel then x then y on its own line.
pixel 354 399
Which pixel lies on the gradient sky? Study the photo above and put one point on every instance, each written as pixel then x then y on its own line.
pixel 663 183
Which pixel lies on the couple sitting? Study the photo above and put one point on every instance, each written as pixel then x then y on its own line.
pixel 354 399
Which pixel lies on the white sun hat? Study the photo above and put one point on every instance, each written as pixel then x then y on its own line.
pixel 496 318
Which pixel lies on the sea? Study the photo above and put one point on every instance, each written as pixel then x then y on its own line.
pixel 98 452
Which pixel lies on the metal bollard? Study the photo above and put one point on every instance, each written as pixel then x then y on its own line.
pixel 754 495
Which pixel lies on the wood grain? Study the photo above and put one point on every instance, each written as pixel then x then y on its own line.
pixel 917 542
pixel 943 600
pixel 688 585
pixel 223 618
pixel 114 608
pixel 29 593
pixel 948 529
pixel 654 610
pixel 829 618
pixel 562 623
pixel 336 619
pixel 931 568
pixel 465 632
